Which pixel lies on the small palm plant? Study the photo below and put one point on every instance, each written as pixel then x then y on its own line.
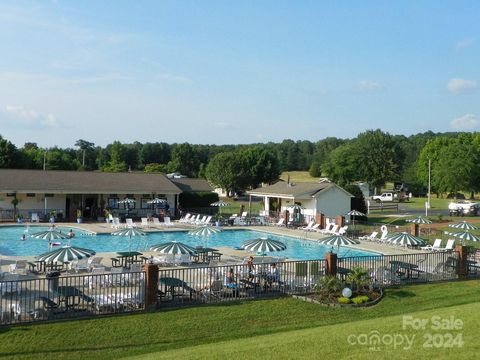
pixel 328 286
pixel 358 278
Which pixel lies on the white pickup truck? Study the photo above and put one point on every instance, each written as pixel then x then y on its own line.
pixel 461 208
pixel 389 197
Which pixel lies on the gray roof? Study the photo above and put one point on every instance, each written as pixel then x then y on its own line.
pixel 295 190
pixel 86 182
pixel 192 185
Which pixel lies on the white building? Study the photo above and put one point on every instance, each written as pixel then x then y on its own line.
pixel 317 198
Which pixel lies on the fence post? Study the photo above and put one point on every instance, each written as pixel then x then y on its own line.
pixel 462 261
pixel 331 263
pixel 414 229
pixel 151 286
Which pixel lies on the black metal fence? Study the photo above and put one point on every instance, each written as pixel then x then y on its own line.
pixel 71 296
pixel 117 291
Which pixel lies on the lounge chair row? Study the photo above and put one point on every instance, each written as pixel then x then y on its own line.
pixel 196 219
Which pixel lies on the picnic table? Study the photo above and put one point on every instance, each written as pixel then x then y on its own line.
pixel 171 283
pixel 204 254
pixel 126 258
pixel 409 268
pixel 71 296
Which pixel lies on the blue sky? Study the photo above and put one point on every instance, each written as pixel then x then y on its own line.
pixel 220 72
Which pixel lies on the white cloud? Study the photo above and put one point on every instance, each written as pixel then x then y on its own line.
pixel 30 117
pixel 370 86
pixel 458 85
pixel 462 44
pixel 467 121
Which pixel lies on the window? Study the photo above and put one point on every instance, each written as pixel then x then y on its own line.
pixel 30 195
pixel 11 194
pixel 144 203
pixel 48 195
pixel 112 202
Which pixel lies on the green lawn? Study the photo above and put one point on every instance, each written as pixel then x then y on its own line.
pixel 240 326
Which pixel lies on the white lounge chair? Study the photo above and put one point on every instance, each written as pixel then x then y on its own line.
pixel 35 217
pixel 194 219
pixel 449 246
pixel 327 228
pixel 156 222
pixel 437 245
pixel 116 223
pixel 129 222
pixel 281 222
pixel 166 221
pixel 370 237
pixel 145 222
pixel 186 218
pixel 308 227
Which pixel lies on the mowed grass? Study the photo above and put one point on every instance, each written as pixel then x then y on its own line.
pixel 298 176
pixel 351 340
pixel 214 326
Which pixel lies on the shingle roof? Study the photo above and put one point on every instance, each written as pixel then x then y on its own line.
pixel 192 185
pixel 282 188
pixel 91 182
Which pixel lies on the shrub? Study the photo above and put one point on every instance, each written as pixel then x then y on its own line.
pixel 359 299
pixel 328 285
pixel 344 300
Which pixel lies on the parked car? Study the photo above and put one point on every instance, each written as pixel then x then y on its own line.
pixel 458 196
pixel 390 197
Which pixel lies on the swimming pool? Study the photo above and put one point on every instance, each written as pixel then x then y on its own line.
pixel 10 244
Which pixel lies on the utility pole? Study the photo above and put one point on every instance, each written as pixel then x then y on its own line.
pixel 83 158
pixel 44 160
pixel 429 187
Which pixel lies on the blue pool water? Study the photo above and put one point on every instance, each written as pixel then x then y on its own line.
pixel 10 244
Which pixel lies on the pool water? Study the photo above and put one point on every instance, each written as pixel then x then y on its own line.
pixel 10 244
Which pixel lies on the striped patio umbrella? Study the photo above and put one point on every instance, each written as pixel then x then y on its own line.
pixel 65 254
pixel 263 245
pixel 174 248
pixel 405 239
pixel 130 232
pixel 204 230
pixel 464 235
pixel 464 226
pixel 220 203
pixel 49 235
pixel 355 213
pixel 419 220
pixel 338 240
pixel 157 201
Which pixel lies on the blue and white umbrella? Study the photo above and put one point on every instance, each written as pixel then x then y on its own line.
pixel 464 226
pixel 405 239
pixel 129 232
pixel 66 254
pixel 338 240
pixel 157 201
pixel 263 245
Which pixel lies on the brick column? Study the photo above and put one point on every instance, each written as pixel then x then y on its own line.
pixel 414 229
pixel 340 221
pixel 151 286
pixel 320 219
pixel 462 261
pixel 286 216
pixel 331 263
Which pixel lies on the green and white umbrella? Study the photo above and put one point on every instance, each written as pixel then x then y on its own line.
pixel 464 235
pixel 157 201
pixel 204 230
pixel 220 203
pixel 464 226
pixel 355 213
pixel 49 235
pixel 405 239
pixel 66 254
pixel 130 232
pixel 174 248
pixel 338 240
pixel 263 245
pixel 419 220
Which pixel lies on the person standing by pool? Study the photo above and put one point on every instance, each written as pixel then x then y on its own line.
pixel 250 267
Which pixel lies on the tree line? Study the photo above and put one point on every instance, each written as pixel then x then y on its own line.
pixel 373 156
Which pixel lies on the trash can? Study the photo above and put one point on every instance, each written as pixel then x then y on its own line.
pixel 52 278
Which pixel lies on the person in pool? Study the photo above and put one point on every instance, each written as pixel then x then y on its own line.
pixel 22 238
pixel 70 234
